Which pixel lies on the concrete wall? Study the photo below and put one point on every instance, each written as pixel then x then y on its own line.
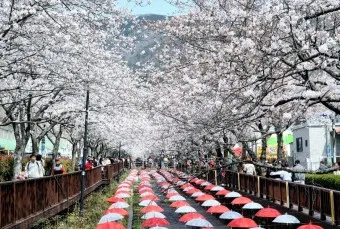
pixel 319 138
pixel 302 156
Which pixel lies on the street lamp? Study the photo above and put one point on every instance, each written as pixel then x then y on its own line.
pixel 83 172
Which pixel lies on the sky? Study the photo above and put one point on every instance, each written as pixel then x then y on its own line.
pixel 156 7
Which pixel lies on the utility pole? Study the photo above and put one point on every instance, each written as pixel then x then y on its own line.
pixel 83 172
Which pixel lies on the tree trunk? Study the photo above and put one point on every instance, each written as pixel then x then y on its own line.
pixel 35 144
pixel 218 149
pixel 74 156
pixel 56 145
pixel 279 145
pixel 244 150
pixel 264 149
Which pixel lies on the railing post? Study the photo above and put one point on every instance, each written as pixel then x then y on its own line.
pixel 287 194
pixel 238 181
pixel 331 200
pixel 258 187
pixel 215 172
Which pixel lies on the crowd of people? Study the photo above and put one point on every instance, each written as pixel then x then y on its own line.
pixel 35 167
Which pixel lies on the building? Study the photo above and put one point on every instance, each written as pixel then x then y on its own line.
pixel 315 141
pixel 7 144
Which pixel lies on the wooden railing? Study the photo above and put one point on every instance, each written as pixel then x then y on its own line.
pixel 22 202
pixel 316 199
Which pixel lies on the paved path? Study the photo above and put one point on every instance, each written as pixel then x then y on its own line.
pixel 173 217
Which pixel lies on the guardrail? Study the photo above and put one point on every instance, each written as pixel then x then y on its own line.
pixel 23 202
pixel 315 199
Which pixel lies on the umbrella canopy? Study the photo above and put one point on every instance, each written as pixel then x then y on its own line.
pixel 145 203
pixel 119 211
pixel 192 191
pixel 157 227
pixel 233 195
pixel 242 222
pixel 206 183
pixel 119 205
pixel 210 203
pixel 190 216
pixel 151 209
pixel 219 209
pixel 185 186
pixel 209 187
pixel 115 199
pixel 231 215
pixel 199 223
pixel 152 222
pixel 154 198
pixel 179 203
pixel 241 200
pixel 122 195
pixel 110 218
pixel 310 226
pixel 205 197
pixel 268 213
pixel 188 188
pixel 185 209
pixel 253 206
pixel 171 194
pixel 153 215
pixel 286 219
pixel 217 188
pixel 110 225
pixel 144 194
pixel 222 192
pixel 176 198
pixel 199 182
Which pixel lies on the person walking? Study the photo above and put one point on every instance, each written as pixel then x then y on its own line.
pixel 33 168
pixel 58 168
pixel 42 164
pixel 322 166
pixel 298 177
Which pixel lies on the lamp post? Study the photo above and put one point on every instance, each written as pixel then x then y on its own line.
pixel 83 172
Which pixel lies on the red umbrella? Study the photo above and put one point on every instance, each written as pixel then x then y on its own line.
pixel 200 181
pixel 151 208
pixel 110 225
pixel 241 200
pixel 192 191
pixel 115 199
pixel 310 226
pixel 189 216
pixel 185 186
pixel 209 187
pixel 169 195
pixel 119 211
pixel 152 222
pixel 222 192
pixel 179 204
pixel 267 213
pixel 204 198
pixel 154 198
pixel 242 222
pixel 219 209
pixel 193 180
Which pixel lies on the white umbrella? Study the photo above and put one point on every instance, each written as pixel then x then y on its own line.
pixel 177 198
pixel 286 219
pixel 210 203
pixel 119 205
pixel 157 227
pixel 205 183
pixel 124 189
pixel 197 194
pixel 252 206
pixel 122 195
pixel 110 217
pixel 171 190
pixel 217 188
pixel 231 215
pixel 185 209
pixel 153 215
pixel 233 195
pixel 144 194
pixel 180 183
pixel 145 203
pixel 199 223
pixel 188 188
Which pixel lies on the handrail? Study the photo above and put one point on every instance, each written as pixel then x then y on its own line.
pixel 22 202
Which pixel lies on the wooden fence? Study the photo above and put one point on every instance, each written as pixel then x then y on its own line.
pixel 23 202
pixel 315 199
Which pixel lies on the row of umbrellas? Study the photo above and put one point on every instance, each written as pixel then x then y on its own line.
pixel 116 211
pixel 188 214
pixel 198 188
pixel 152 213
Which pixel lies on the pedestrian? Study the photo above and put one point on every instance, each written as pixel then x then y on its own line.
pixel 33 168
pixel 336 165
pixel 322 166
pixel 41 163
pixel 298 177
pixel 59 168
pixel 88 164
pixel 249 168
